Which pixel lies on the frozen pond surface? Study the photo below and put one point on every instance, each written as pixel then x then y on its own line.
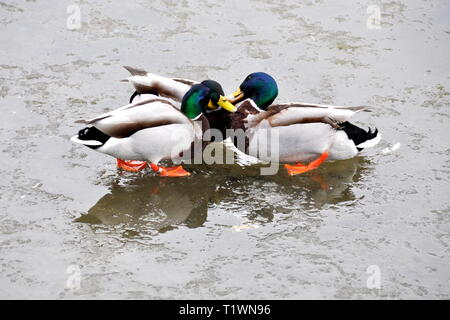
pixel 225 232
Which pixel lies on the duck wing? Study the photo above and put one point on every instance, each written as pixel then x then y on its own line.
pixel 141 72
pixel 187 82
pixel 145 82
pixel 127 120
pixel 294 113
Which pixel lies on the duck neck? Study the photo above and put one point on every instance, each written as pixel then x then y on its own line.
pixel 264 98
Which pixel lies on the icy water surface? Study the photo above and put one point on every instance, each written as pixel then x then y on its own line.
pixel 73 226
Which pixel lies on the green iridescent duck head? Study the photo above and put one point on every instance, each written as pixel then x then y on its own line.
pixel 258 86
pixel 208 94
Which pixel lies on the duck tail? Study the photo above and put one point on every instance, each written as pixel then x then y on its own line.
pixel 135 71
pixel 361 138
pixel 91 137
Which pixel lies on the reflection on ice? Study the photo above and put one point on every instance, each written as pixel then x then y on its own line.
pixel 148 205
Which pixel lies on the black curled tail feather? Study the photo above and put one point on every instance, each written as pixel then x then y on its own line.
pixel 134 96
pixel 93 134
pixel 137 93
pixel 358 135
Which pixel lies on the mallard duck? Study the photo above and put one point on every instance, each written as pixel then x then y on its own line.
pixel 153 129
pixel 306 131
pixel 146 83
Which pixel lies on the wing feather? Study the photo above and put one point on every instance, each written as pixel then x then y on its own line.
pixel 188 82
pixel 295 113
pixel 135 71
pixel 127 120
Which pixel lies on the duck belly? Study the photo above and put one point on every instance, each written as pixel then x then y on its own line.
pixel 152 144
pixel 300 142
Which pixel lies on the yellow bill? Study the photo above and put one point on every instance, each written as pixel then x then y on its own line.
pixel 237 92
pixel 227 105
pixel 236 96
pixel 224 103
pixel 211 105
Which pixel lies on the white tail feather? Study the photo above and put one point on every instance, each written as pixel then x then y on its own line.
pixel 370 143
pixel 86 142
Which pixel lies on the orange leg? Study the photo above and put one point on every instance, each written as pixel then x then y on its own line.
pixel 170 171
pixel 131 165
pixel 301 168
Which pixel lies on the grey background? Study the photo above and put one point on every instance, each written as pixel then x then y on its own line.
pixel 225 232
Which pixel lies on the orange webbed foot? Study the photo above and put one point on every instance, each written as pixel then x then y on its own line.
pixel 295 169
pixel 177 171
pixel 131 165
pixel 301 168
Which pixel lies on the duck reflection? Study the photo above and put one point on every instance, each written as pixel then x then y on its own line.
pixel 263 196
pixel 149 204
